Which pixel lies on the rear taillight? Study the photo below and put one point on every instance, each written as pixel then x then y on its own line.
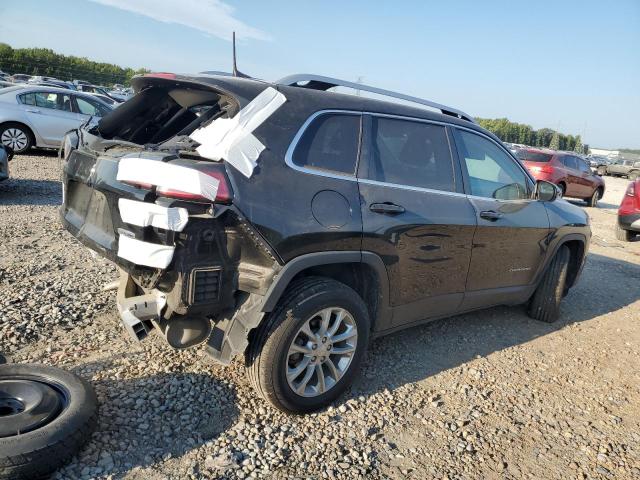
pixel 630 203
pixel 541 169
pixel 146 186
pixel 223 195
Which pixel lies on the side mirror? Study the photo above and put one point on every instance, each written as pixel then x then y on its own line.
pixel 545 191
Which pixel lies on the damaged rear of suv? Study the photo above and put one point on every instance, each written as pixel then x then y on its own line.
pixel 270 220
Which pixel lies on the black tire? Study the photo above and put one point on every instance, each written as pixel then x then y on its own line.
pixel 602 171
pixel 266 357
pixel 593 200
pixel 40 451
pixel 633 175
pixel 624 235
pixel 545 302
pixel 30 140
pixel 563 189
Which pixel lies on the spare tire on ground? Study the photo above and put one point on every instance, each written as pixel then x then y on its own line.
pixel 46 415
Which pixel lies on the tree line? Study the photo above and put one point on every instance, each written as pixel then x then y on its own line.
pixel 46 62
pixel 512 132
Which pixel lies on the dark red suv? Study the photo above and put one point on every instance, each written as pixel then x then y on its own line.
pixel 568 171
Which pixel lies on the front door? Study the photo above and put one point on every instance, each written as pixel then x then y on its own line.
pixel 415 215
pixel 51 114
pixel 509 242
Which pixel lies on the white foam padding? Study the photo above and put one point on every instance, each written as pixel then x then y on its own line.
pixel 144 253
pixel 145 214
pixel 231 139
pixel 167 175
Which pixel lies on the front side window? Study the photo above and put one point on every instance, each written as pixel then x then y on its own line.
pixel 492 172
pixel 89 107
pixel 405 152
pixel 583 166
pixel 570 162
pixel 330 143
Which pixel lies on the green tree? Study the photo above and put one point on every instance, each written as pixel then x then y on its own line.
pixel 579 147
pixel 555 141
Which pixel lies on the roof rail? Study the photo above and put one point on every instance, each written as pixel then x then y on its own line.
pixel 319 82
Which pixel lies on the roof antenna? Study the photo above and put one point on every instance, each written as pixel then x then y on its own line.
pixel 236 72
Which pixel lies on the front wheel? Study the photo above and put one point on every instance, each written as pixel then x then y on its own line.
pixel 545 302
pixel 308 350
pixel 593 200
pixel 634 175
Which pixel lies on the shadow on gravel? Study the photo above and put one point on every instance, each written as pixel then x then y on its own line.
pixel 606 285
pixel 19 191
pixel 148 419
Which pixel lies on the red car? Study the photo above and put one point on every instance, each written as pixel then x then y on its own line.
pixel 628 225
pixel 568 171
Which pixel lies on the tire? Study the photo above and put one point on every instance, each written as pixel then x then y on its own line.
pixel 633 175
pixel 563 189
pixel 593 200
pixel 624 235
pixel 268 356
pixel 16 136
pixel 50 444
pixel 545 302
pixel 602 171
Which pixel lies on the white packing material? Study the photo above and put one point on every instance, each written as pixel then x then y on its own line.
pixel 145 214
pixel 231 138
pixel 144 253
pixel 167 175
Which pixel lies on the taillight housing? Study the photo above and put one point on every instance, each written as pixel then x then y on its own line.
pixel 630 202
pixel 223 195
pixel 541 168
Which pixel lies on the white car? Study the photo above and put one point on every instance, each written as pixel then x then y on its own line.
pixel 35 116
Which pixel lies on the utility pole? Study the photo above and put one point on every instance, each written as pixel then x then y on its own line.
pixel 359 80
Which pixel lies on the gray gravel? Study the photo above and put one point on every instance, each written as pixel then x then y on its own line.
pixel 484 395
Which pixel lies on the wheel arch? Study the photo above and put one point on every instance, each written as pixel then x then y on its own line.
pixel 577 244
pixel 363 271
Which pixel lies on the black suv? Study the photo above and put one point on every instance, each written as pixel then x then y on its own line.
pixel 291 224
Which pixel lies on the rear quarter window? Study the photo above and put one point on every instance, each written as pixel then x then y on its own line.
pixel 330 143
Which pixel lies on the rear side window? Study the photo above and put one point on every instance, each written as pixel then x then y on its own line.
pixel 415 154
pixel 330 143
pixel 527 156
pixel 570 162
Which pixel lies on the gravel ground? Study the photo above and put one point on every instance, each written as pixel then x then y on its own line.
pixel 491 394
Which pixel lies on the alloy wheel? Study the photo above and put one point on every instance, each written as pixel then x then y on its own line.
pixel 321 352
pixel 15 139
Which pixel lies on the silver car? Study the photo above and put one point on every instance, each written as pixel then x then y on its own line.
pixel 35 116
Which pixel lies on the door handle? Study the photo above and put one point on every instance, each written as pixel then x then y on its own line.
pixel 388 208
pixel 33 111
pixel 491 215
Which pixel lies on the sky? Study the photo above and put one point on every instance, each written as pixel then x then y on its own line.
pixel 573 66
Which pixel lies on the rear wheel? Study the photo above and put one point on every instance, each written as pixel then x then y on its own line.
pixel 634 174
pixel 624 235
pixel 545 303
pixel 563 189
pixel 16 136
pixel 308 350
pixel 602 171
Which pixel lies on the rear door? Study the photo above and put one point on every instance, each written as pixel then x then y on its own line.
pixel 508 244
pixel 573 176
pixel 50 113
pixel 415 215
